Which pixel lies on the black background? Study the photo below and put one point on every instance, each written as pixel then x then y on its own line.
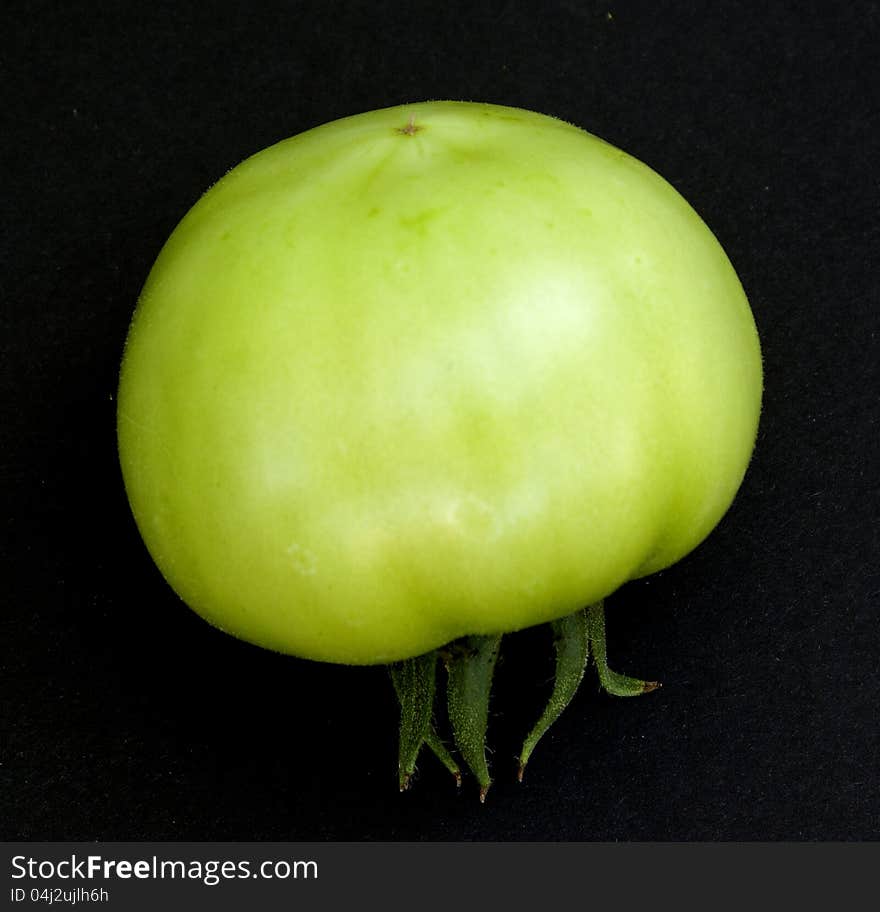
pixel 126 717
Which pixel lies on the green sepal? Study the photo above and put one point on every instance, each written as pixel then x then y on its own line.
pixel 414 681
pixel 617 685
pixel 470 663
pixel 441 752
pixel 572 643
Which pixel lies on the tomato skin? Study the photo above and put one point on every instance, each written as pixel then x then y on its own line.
pixel 386 387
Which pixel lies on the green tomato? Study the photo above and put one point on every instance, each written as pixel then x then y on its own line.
pixel 434 370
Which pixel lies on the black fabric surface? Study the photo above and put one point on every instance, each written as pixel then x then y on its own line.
pixel 123 716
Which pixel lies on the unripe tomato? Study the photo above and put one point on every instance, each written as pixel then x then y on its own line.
pixel 435 370
pixel 426 375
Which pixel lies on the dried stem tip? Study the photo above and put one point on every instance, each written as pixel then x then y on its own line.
pixel 410 129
